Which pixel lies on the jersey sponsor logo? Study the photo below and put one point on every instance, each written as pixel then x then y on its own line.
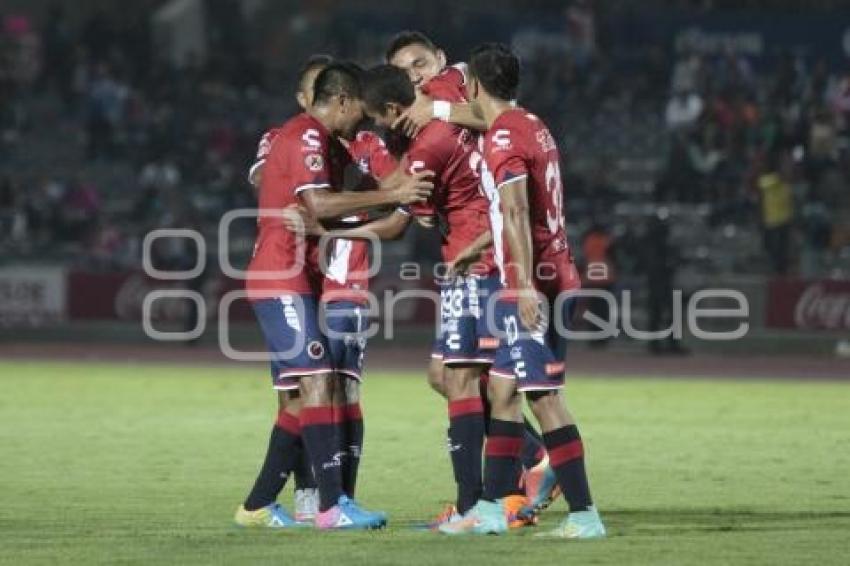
pixel 290 314
pixel 501 140
pixel 554 368
pixel 416 167
pixel 312 139
pixel 315 350
pixel 314 162
pixel 335 461
pixel 516 353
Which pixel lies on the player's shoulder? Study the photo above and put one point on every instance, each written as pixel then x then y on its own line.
pixel 449 84
pixel 305 131
pixel 517 129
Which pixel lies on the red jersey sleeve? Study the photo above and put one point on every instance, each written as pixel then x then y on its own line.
pixel 426 154
pixel 449 85
pixel 310 157
pixel 506 157
pixel 381 161
pixel 263 150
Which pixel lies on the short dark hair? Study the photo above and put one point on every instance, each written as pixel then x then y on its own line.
pixel 319 61
pixel 384 84
pixel 338 78
pixel 406 38
pixel 496 68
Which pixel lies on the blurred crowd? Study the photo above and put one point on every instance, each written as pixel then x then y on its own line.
pixel 102 141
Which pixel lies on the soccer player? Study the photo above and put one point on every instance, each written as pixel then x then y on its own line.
pixel 441 94
pixel 306 494
pixel 366 165
pixel 534 308
pixel 299 168
pixel 457 204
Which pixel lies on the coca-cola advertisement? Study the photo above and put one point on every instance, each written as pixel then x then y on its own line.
pixel 120 296
pixel 809 305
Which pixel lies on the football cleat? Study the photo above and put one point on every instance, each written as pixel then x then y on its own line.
pixel 273 516
pixel 541 487
pixel 306 505
pixel 449 514
pixel 581 525
pixel 514 507
pixel 486 518
pixel 346 514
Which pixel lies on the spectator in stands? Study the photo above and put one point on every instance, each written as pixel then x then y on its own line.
pixel 599 271
pixel 777 209
pixel 106 97
pixel 683 110
pixel 660 263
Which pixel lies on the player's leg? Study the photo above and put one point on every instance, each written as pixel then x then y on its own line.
pixel 282 454
pixel 502 466
pixel 566 456
pixel 321 434
pixel 306 492
pixel 259 508
pixel 345 327
pixel 466 432
pixel 542 385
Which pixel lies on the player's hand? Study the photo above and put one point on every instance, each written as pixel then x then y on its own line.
pixel 414 118
pixel 415 188
pixel 462 262
pixel 530 314
pixel 298 219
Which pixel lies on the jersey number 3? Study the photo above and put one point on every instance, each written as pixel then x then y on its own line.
pixel 555 216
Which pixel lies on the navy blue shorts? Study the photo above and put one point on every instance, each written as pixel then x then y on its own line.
pixel 296 345
pixel 346 336
pixel 464 336
pixel 536 360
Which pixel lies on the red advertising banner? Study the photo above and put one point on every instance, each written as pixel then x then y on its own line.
pixel 809 305
pixel 120 296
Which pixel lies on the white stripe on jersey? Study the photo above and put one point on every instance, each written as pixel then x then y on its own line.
pixel 338 266
pixel 497 222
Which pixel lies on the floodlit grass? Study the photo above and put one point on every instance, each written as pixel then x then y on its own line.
pixel 128 464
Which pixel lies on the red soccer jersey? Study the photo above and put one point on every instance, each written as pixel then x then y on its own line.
pixel 448 85
pixel 346 274
pixel 518 145
pixel 263 150
pixel 298 159
pixel 450 152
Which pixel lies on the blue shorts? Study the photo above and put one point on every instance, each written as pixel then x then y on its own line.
pixel 345 329
pixel 296 345
pixel 536 360
pixel 464 337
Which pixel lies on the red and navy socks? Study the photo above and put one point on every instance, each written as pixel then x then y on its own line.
pixel 466 439
pixel 532 446
pixel 320 432
pixel 352 420
pixel 566 456
pixel 281 457
pixel 502 459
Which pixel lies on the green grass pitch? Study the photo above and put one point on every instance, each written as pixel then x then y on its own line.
pixel 128 464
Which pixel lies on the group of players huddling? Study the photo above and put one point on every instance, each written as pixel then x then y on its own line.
pixel 461 155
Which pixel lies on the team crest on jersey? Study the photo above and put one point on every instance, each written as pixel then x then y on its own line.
pixel 315 350
pixel 314 162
